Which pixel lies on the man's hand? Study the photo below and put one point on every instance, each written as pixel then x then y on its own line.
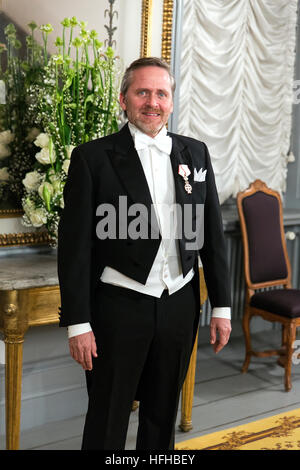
pixel 222 326
pixel 83 348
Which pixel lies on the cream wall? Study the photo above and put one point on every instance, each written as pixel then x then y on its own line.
pixel 45 11
pixel 127 35
pixel 128 22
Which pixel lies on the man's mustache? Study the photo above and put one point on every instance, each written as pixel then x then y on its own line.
pixel 150 110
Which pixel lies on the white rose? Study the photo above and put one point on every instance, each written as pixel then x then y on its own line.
pixel 42 140
pixel 4 151
pixel 32 180
pixel 38 217
pixel 32 134
pixel 4 175
pixel 44 156
pixel 65 166
pixel 6 137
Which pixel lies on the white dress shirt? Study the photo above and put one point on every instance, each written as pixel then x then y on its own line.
pixel 166 272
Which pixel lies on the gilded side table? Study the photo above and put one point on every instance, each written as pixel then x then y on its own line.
pixel 29 296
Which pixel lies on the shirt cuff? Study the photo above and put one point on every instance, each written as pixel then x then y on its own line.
pixel 79 329
pixel 221 312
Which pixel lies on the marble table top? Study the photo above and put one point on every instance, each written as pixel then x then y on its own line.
pixel 21 269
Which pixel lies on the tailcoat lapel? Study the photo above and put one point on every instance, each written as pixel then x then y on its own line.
pixel 181 155
pixel 128 166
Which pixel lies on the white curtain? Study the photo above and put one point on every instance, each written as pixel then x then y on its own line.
pixel 236 87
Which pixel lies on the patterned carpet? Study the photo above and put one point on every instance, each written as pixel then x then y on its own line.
pixel 279 432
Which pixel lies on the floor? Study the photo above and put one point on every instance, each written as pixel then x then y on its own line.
pixel 223 396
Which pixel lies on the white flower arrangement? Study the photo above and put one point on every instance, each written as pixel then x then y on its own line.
pixel 76 101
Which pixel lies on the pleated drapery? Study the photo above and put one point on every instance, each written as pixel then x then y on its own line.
pixel 236 87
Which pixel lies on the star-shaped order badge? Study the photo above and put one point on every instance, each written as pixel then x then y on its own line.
pixel 184 171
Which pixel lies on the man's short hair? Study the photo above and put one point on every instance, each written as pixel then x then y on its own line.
pixel 145 62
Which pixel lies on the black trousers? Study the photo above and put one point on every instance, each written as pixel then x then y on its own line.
pixel 144 346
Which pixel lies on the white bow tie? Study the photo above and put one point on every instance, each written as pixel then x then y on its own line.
pixel 162 142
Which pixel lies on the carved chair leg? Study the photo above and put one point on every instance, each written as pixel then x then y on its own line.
pixel 246 329
pixel 283 336
pixel 281 361
pixel 290 337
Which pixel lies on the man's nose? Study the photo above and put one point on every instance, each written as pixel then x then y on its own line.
pixel 152 100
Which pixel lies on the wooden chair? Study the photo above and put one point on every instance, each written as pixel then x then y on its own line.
pixel 269 292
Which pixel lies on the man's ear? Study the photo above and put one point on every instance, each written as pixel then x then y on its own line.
pixel 122 101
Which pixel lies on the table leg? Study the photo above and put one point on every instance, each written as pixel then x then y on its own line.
pixel 188 392
pixel 15 325
pixel 13 387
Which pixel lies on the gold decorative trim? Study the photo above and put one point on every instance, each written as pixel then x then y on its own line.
pixel 25 238
pixel 235 440
pixel 279 432
pixel 5 213
pixel 146 28
pixel 166 39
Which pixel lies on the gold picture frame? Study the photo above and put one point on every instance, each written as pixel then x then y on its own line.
pixel 166 34
pixel 39 237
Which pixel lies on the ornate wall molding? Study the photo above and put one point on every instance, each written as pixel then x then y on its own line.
pixel 110 28
pixel 166 40
pixel 146 28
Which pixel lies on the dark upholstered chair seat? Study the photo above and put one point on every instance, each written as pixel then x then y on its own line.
pixel 284 302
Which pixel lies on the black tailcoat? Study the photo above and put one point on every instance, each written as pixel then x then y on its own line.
pixel 100 172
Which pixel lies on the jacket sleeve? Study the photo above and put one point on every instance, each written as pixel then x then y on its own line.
pixel 75 243
pixel 213 254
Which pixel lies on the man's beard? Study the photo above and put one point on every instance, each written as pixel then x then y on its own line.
pixel 149 128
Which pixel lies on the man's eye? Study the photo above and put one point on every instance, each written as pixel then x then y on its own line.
pixel 142 92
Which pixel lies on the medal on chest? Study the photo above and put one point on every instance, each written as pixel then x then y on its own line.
pixel 184 171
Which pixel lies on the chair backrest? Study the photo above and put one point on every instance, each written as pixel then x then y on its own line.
pixel 266 261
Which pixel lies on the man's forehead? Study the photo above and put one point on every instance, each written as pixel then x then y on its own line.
pixel 151 75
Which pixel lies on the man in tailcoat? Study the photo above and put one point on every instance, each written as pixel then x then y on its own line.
pixel 141 208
